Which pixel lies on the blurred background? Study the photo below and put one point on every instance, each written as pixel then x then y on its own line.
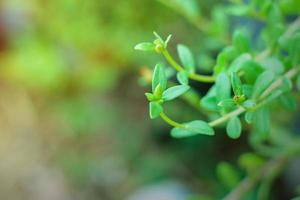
pixel 73 117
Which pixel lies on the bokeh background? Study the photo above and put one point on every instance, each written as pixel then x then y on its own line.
pixel 73 117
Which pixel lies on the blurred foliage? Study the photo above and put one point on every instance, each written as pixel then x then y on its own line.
pixel 73 120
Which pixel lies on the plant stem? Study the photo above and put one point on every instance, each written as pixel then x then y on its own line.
pixel 290 74
pixel 271 168
pixel 170 121
pixel 176 66
pixel 172 62
pixel 226 117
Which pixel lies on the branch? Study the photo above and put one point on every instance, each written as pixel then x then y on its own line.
pixel 290 74
pixel 274 165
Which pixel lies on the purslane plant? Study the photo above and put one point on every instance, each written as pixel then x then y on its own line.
pixel 250 98
pixel 247 81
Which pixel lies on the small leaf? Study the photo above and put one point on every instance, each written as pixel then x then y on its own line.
pixel 241 41
pixel 145 46
pixel 247 90
pixel 286 85
pixel 249 117
pixel 273 64
pixel 249 104
pixel 238 63
pixel 192 128
pixel 237 10
pixel 298 82
pixel 261 122
pixel 150 96
pixel 250 162
pixel 234 128
pixel 223 87
pixel 181 133
pixel 274 95
pixel 158 92
pixel 223 59
pixel 182 78
pixel 168 40
pixel 294 49
pixel 209 101
pixel 288 102
pixel 251 70
pixel 227 104
pixel 186 58
pixel 236 84
pixel 228 175
pixel 262 82
pixel 158 37
pixel 155 109
pixel 174 92
pixel 159 77
pixel 200 127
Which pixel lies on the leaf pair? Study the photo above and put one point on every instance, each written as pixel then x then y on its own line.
pixel 161 93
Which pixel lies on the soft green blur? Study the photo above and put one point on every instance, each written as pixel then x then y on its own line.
pixel 74 121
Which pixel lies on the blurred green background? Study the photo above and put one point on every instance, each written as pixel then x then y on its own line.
pixel 73 118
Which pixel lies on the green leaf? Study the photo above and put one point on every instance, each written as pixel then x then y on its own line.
pixel 145 46
pixel 238 63
pixel 223 87
pixel 228 175
pixel 236 84
pixel 247 90
pixel 174 92
pixel 158 37
pixel 288 102
pixel 249 117
pixel 234 128
pixel 150 96
pixel 261 122
pixel 286 85
pixel 250 162
pixel 209 101
pixel 227 104
pixel 159 77
pixel 223 59
pixel 157 92
pixel 295 49
pixel 249 104
pixel 200 127
pixel 155 109
pixel 298 82
pixel 237 10
pixel 273 64
pixel 241 41
pixel 189 7
pixel 262 82
pixel 251 70
pixel 274 95
pixel 168 40
pixel 182 133
pixel 193 128
pixel 182 78
pixel 186 58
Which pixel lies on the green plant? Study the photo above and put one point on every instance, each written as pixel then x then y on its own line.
pixel 249 84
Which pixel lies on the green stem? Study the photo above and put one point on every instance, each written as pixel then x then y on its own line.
pixel 271 168
pixel 176 66
pixel 170 121
pixel 172 62
pixel 290 74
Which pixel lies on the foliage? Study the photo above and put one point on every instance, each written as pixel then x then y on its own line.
pixel 254 74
